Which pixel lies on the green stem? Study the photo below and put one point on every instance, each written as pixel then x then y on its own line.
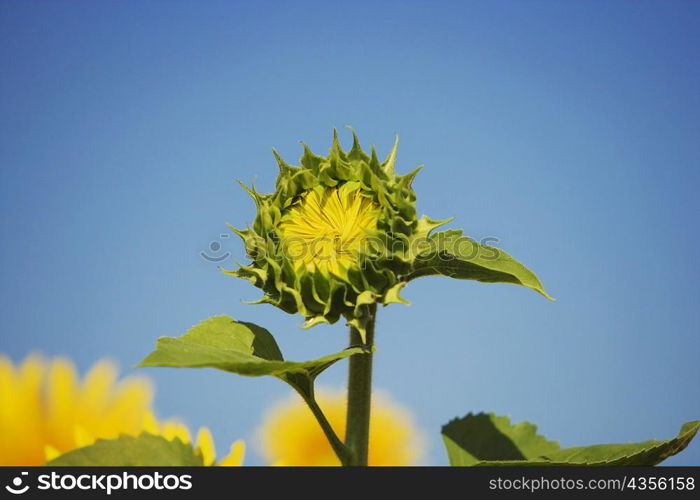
pixel 360 394
pixel 341 451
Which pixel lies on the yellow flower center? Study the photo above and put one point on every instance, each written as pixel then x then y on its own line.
pixel 326 228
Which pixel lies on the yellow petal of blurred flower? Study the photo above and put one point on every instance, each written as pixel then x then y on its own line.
pixel 291 436
pixel 235 456
pixel 47 410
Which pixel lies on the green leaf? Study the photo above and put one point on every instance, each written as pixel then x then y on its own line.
pixel 238 347
pixel 449 253
pixel 487 439
pixel 142 450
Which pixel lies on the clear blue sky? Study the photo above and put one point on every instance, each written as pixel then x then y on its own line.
pixel 566 129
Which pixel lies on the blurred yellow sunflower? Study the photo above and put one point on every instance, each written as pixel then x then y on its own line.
pixel 46 410
pixel 290 435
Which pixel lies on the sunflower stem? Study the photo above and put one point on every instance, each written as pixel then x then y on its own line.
pixel 360 393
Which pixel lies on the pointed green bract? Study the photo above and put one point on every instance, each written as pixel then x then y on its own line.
pixel 487 439
pixel 144 450
pixel 238 347
pixel 394 252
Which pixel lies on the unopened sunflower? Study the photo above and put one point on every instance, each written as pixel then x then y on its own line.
pixel 338 235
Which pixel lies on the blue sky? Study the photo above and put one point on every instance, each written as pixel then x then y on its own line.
pixel 568 130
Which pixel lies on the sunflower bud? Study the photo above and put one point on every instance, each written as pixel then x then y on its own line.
pixel 337 236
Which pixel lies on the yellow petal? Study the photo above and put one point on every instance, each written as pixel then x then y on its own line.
pixel 205 444
pixel 61 403
pixel 172 429
pixel 149 423
pixel 96 392
pixel 127 408
pixel 50 452
pixel 21 429
pixel 235 456
pixel 82 437
pixel 7 397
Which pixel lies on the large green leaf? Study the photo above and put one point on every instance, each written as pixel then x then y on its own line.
pixel 450 253
pixel 487 439
pixel 238 347
pixel 142 450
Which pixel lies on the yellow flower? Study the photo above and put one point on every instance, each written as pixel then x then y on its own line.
pixel 291 436
pixel 326 228
pixel 46 410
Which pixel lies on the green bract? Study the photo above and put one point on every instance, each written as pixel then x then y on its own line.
pixel 401 247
